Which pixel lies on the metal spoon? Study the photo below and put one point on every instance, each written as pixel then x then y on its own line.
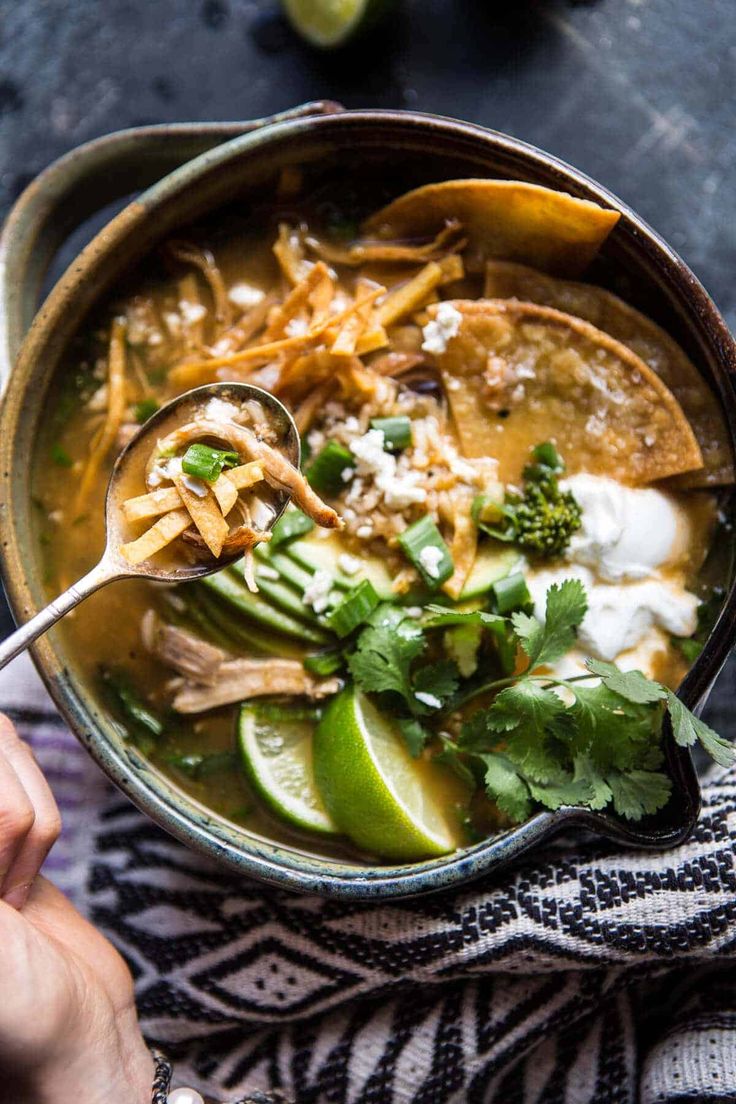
pixel 112 565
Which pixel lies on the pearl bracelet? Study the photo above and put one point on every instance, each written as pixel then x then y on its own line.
pixel 161 1093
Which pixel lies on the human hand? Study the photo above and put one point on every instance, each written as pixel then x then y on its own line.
pixel 68 1025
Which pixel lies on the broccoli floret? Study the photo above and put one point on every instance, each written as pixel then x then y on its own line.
pixel 543 518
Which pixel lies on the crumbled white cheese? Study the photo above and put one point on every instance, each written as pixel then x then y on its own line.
pixel 347 474
pixel 219 410
pixel 347 563
pixel 414 612
pixel 317 591
pixel 444 326
pixel 191 312
pixel 372 459
pixel 430 558
pixel 265 571
pixel 297 327
pixel 364 532
pixel 164 470
pixel 245 295
pixel 428 699
pixel 352 425
pixel 196 486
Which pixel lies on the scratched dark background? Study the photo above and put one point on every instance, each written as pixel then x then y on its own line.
pixel 640 94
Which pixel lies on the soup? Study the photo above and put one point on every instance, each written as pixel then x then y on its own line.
pixel 491 573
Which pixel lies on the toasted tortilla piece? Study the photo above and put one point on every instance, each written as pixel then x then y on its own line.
pixel 656 348
pixel 517 374
pixel 509 219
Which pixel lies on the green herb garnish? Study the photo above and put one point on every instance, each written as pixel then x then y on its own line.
pixel 292 524
pixel 354 609
pixel 145 409
pixel 424 547
pixel 325 472
pixel 396 432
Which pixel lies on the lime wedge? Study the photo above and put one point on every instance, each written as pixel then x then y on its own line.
pixel 387 802
pixel 330 23
pixel 277 758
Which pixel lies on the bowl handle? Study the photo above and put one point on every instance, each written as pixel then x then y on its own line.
pixel 82 183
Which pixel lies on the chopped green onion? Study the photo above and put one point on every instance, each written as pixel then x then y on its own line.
pixel 325 472
pixel 689 648
pixel 324 663
pixel 145 409
pixel 199 766
pixel 512 593
pixel 274 711
pixel 424 547
pixel 61 457
pixel 290 525
pixel 396 432
pixel 130 704
pixel 204 462
pixel 547 454
pixel 487 510
pixel 355 608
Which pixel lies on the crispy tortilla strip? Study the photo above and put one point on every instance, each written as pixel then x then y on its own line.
pixel 206 516
pixel 409 297
pixel 245 328
pixel 191 254
pixel 106 436
pixel 295 301
pixel 518 373
pixel 166 529
pixel 354 327
pixel 193 313
pixel 449 239
pixel 225 492
pixel 508 219
pixel 289 252
pixel 656 348
pixel 150 505
pixel 241 539
pixel 305 414
pixel 463 549
pixel 371 340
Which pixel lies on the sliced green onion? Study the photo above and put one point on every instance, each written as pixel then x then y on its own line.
pixel 434 566
pixel 396 432
pixel 274 711
pixel 547 454
pixel 145 409
pixel 325 472
pixel 130 704
pixel 61 457
pixel 199 766
pixel 290 525
pixel 512 593
pixel 355 608
pixel 205 462
pixel 324 663
pixel 487 510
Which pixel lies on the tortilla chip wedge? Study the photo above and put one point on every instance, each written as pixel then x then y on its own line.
pixel 503 218
pixel 505 280
pixel 518 373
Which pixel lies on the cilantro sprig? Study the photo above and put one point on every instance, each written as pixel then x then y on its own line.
pixel 593 739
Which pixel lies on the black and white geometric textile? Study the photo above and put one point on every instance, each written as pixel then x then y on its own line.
pixel 584 975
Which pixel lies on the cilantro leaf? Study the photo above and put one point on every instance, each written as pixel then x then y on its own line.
pixel 566 608
pixel 414 733
pixel 614 732
pixel 599 792
pixel 506 787
pixel 639 792
pixel 384 654
pixel 632 685
pixel 567 790
pixel 451 757
pixel 688 729
pixel 534 720
pixel 439 679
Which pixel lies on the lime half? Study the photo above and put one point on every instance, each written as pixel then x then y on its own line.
pixel 330 23
pixel 277 757
pixel 387 802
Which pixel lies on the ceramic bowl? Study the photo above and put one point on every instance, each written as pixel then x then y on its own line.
pixel 207 169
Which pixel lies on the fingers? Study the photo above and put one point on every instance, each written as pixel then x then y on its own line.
pixel 29 818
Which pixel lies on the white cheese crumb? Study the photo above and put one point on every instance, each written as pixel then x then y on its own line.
pixel 428 699
pixel 191 312
pixel 444 326
pixel 430 558
pixel 245 295
pixel 267 572
pixel 413 611
pixel 196 486
pixel 347 474
pixel 317 591
pixel 364 532
pixel 347 563
pixel 219 410
pixel 297 327
pixel 398 491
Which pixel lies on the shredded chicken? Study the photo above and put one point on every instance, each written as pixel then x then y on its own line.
pixel 177 648
pixel 240 679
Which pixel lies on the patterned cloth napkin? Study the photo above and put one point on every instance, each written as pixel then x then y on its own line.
pixel 584 975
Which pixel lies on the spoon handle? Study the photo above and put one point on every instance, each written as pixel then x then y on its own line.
pixel 18 641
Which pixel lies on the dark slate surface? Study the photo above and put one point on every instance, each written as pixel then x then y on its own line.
pixel 638 93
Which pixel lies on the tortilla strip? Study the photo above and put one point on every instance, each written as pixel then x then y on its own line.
pixel 166 529
pixel 164 499
pixel 202 259
pixel 295 301
pixel 509 219
pixel 365 252
pixel 410 296
pixel 205 514
pixel 517 374
pixel 656 348
pixel 105 437
pixel 226 493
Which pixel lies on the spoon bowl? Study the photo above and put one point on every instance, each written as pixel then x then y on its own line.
pixel 131 463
